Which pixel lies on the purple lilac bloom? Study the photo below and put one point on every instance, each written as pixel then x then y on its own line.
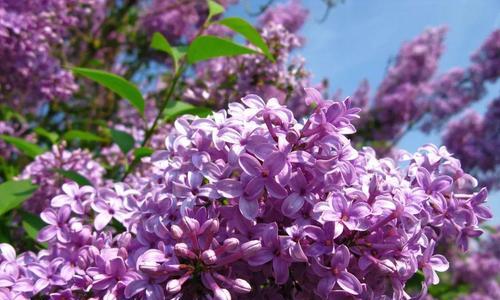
pixel 396 99
pixel 176 20
pixel 252 203
pixel 291 15
pixel 29 31
pixel 474 139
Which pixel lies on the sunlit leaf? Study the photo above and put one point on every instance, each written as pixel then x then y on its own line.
pixel 207 47
pixel 214 9
pixel 32 224
pixel 178 108
pixel 115 83
pixel 142 152
pixel 159 42
pixel 51 136
pixel 249 32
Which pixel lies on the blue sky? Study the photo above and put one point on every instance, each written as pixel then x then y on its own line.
pixel 360 36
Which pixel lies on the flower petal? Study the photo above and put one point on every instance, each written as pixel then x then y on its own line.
pixel 250 165
pixel 292 204
pixel 349 283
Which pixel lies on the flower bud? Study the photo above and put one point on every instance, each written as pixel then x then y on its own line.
pixel 176 232
pixel 210 226
pixel 292 136
pixel 191 225
pixel 173 286
pixel 182 249
pixel 209 257
pixel 241 286
pixel 250 248
pixel 231 243
pixel 222 294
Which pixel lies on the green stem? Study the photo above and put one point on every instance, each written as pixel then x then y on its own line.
pixel 170 92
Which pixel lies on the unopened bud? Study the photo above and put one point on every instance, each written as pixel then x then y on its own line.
pixel 209 257
pixel 173 286
pixel 222 294
pixel 191 225
pixel 241 286
pixel 250 248
pixel 231 243
pixel 292 136
pixel 176 232
pixel 182 249
pixel 210 226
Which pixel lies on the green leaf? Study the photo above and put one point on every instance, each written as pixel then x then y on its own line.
pixel 26 147
pixel 13 193
pixel 82 135
pixel 214 9
pixel 75 176
pixel 207 46
pixel 142 152
pixel 159 42
pixel 175 109
pixel 249 32
pixel 124 140
pixel 32 224
pixel 115 83
pixel 51 136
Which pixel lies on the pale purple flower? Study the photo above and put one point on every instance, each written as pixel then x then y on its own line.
pixel 335 273
pixel 343 212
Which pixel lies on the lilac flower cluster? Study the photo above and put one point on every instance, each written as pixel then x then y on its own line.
pixel 252 203
pixel 475 140
pixel 43 171
pixel 397 99
pixel 290 15
pixel 412 95
pixel 176 20
pixel 30 31
pixel 216 83
pixel 459 87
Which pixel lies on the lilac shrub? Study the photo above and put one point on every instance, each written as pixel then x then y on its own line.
pixel 251 203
